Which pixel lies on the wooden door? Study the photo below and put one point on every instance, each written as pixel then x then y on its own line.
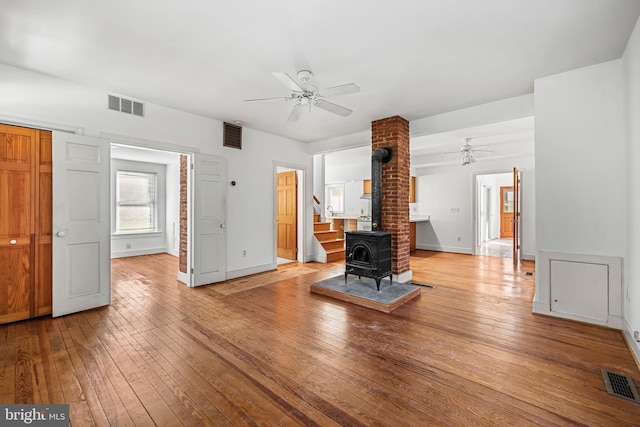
pixel 25 223
pixel 44 223
pixel 507 207
pixel 287 216
pixel 209 248
pixel 17 222
pixel 81 223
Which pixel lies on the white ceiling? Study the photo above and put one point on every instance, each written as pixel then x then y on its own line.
pixel 410 58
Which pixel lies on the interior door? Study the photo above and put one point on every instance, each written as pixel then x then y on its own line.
pixel 81 223
pixel 506 212
pixel 287 216
pixel 516 216
pixel 17 159
pixel 209 250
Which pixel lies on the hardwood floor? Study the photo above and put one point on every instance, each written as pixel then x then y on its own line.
pixel 263 350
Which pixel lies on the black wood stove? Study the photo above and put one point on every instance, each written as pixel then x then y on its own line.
pixel 368 254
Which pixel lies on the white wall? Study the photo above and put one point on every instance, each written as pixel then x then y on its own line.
pixel 32 97
pixel 580 160
pixel 581 164
pixel 447 194
pixel 631 292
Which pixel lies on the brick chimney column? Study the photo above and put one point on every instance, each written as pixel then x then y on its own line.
pixel 394 132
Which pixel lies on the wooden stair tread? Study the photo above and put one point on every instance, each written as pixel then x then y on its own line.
pixel 331 240
pixel 334 251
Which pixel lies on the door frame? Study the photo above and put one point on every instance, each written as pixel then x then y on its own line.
pixel 118 139
pixel 475 204
pixel 302 208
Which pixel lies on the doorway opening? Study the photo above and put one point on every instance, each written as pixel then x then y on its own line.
pixel 289 226
pixel 150 209
pixel 492 222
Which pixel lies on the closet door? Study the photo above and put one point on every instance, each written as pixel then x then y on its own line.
pixel 43 224
pixel 17 199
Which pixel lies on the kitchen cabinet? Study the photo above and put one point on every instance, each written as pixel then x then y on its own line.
pixel 366 188
pixel 412 236
pixel 412 189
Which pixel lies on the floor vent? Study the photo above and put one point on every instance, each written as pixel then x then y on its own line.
pixel 423 285
pixel 620 385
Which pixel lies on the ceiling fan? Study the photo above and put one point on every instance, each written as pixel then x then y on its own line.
pixel 467 152
pixel 306 94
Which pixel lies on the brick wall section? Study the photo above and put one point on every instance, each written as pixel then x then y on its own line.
pixel 394 132
pixel 184 170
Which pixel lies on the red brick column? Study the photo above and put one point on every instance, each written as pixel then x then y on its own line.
pixel 394 132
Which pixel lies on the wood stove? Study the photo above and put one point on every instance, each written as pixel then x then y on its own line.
pixel 368 254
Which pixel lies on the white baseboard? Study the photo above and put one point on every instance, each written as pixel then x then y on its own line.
pixel 438 248
pixel 251 270
pixel 404 277
pixel 183 278
pixel 138 252
pixel 634 345
pixel 528 257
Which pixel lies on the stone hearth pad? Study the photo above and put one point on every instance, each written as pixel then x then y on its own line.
pixel 363 292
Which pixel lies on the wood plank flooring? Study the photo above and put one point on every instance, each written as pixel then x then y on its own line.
pixel 263 350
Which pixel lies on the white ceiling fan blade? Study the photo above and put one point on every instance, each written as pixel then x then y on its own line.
pixel 280 98
pixel 333 108
pixel 341 90
pixel 286 80
pixel 295 113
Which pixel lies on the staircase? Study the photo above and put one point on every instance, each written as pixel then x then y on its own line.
pixel 329 240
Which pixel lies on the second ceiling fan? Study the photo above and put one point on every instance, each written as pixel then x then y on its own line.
pixel 467 152
pixel 306 94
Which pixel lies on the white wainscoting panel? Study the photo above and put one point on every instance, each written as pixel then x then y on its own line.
pixel 581 287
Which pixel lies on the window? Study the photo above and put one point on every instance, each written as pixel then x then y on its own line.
pixel 136 202
pixel 334 196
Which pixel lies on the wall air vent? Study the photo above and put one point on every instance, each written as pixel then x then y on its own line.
pixel 232 136
pixel 125 105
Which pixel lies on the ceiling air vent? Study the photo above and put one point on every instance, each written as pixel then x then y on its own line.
pixel 232 136
pixel 125 105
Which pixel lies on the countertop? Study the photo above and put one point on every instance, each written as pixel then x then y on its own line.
pixel 343 216
pixel 412 218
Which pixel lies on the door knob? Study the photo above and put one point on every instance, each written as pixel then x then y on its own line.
pixel 13 241
pixel 61 234
pixel 223 225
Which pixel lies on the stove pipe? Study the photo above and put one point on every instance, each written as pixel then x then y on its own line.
pixel 380 155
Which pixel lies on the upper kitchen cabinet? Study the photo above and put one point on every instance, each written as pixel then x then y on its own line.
pixel 412 189
pixel 366 188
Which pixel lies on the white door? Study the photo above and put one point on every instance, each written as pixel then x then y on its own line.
pixel 209 251
pixel 81 223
